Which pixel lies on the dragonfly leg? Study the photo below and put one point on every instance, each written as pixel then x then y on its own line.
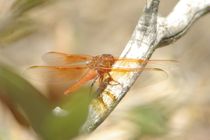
pixel 110 79
pixel 104 81
pixel 102 85
pixel 92 84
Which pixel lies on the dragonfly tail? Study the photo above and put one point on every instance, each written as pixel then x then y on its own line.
pixel 91 74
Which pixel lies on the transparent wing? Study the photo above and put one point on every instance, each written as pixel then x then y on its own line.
pixel 131 60
pixel 155 77
pixel 154 72
pixel 153 65
pixel 133 69
pixel 56 74
pixel 62 59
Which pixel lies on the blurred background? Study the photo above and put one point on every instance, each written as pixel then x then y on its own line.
pixel 174 108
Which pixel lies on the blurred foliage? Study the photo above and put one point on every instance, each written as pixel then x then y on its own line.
pixel 18 24
pixel 22 6
pixel 150 119
pixel 48 124
pixel 68 124
pixel 18 29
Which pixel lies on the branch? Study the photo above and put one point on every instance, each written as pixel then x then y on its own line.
pixel 150 33
pixel 180 19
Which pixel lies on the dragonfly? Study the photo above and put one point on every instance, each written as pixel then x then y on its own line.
pixel 78 69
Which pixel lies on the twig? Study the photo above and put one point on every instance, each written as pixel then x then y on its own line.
pixel 150 33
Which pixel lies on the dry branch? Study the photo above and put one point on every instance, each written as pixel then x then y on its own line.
pixel 150 33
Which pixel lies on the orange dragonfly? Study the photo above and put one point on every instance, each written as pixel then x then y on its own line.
pixel 79 69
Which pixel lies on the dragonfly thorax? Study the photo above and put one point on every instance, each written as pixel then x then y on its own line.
pixel 102 63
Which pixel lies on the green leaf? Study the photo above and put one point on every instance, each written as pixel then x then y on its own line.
pixel 31 103
pixel 42 115
pixel 67 123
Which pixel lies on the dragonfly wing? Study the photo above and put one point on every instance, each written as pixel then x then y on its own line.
pixel 154 65
pixel 62 59
pixel 132 60
pixel 135 69
pixel 152 76
pixel 56 74
pixel 149 75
